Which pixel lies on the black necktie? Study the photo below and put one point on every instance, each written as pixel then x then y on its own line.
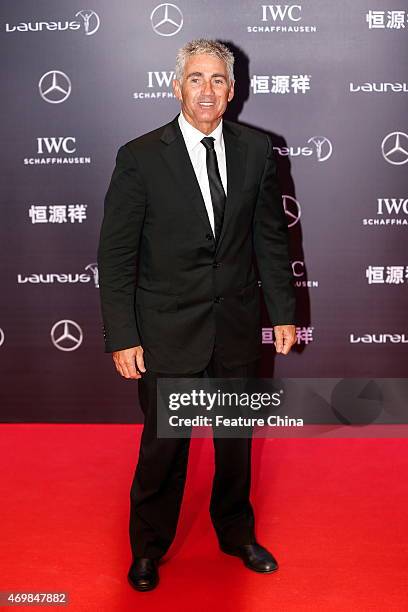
pixel 218 197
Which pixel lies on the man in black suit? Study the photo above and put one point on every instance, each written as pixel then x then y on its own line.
pixel 188 207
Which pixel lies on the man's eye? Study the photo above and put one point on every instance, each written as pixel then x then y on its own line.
pixel 219 81
pixel 195 80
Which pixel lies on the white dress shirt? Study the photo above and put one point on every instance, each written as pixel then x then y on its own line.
pixel 197 152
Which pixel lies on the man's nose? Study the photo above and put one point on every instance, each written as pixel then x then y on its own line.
pixel 208 88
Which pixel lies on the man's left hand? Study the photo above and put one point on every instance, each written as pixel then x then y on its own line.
pixel 285 338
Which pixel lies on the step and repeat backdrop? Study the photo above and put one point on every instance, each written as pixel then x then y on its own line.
pixel 326 80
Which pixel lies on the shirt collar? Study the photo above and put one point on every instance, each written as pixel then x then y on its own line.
pixel 192 136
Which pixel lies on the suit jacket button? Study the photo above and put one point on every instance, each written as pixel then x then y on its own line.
pixel 216 264
pixel 218 299
pixel 209 236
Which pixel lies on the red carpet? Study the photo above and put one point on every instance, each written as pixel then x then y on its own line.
pixel 334 513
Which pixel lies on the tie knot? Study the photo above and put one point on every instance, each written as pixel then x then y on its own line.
pixel 208 142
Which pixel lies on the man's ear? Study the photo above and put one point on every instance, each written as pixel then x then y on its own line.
pixel 231 91
pixel 177 89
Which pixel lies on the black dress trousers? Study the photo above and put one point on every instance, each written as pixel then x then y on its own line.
pixel 158 484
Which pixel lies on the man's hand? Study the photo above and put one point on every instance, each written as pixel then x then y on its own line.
pixel 129 362
pixel 285 338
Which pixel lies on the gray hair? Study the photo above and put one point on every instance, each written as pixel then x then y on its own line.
pixel 203 45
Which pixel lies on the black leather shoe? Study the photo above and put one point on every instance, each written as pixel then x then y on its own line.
pixel 254 556
pixel 143 574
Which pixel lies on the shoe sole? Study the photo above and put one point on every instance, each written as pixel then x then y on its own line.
pixel 234 554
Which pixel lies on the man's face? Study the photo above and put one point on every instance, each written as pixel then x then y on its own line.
pixel 204 91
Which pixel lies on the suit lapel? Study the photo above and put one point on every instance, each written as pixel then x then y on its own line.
pixel 177 158
pixel 235 155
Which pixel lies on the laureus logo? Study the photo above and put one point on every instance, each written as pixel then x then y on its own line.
pixel 323 147
pixel 51 278
pixel 88 21
pixel 93 269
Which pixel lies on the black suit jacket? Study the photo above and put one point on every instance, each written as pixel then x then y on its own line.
pixel 164 283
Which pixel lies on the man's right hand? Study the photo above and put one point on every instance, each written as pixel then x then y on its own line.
pixel 129 362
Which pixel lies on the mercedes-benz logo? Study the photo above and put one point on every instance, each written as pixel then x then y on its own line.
pixel 54 86
pixel 394 148
pixel 292 209
pixel 66 335
pixel 166 19
pixel 91 21
pixel 1 336
pixel 323 146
